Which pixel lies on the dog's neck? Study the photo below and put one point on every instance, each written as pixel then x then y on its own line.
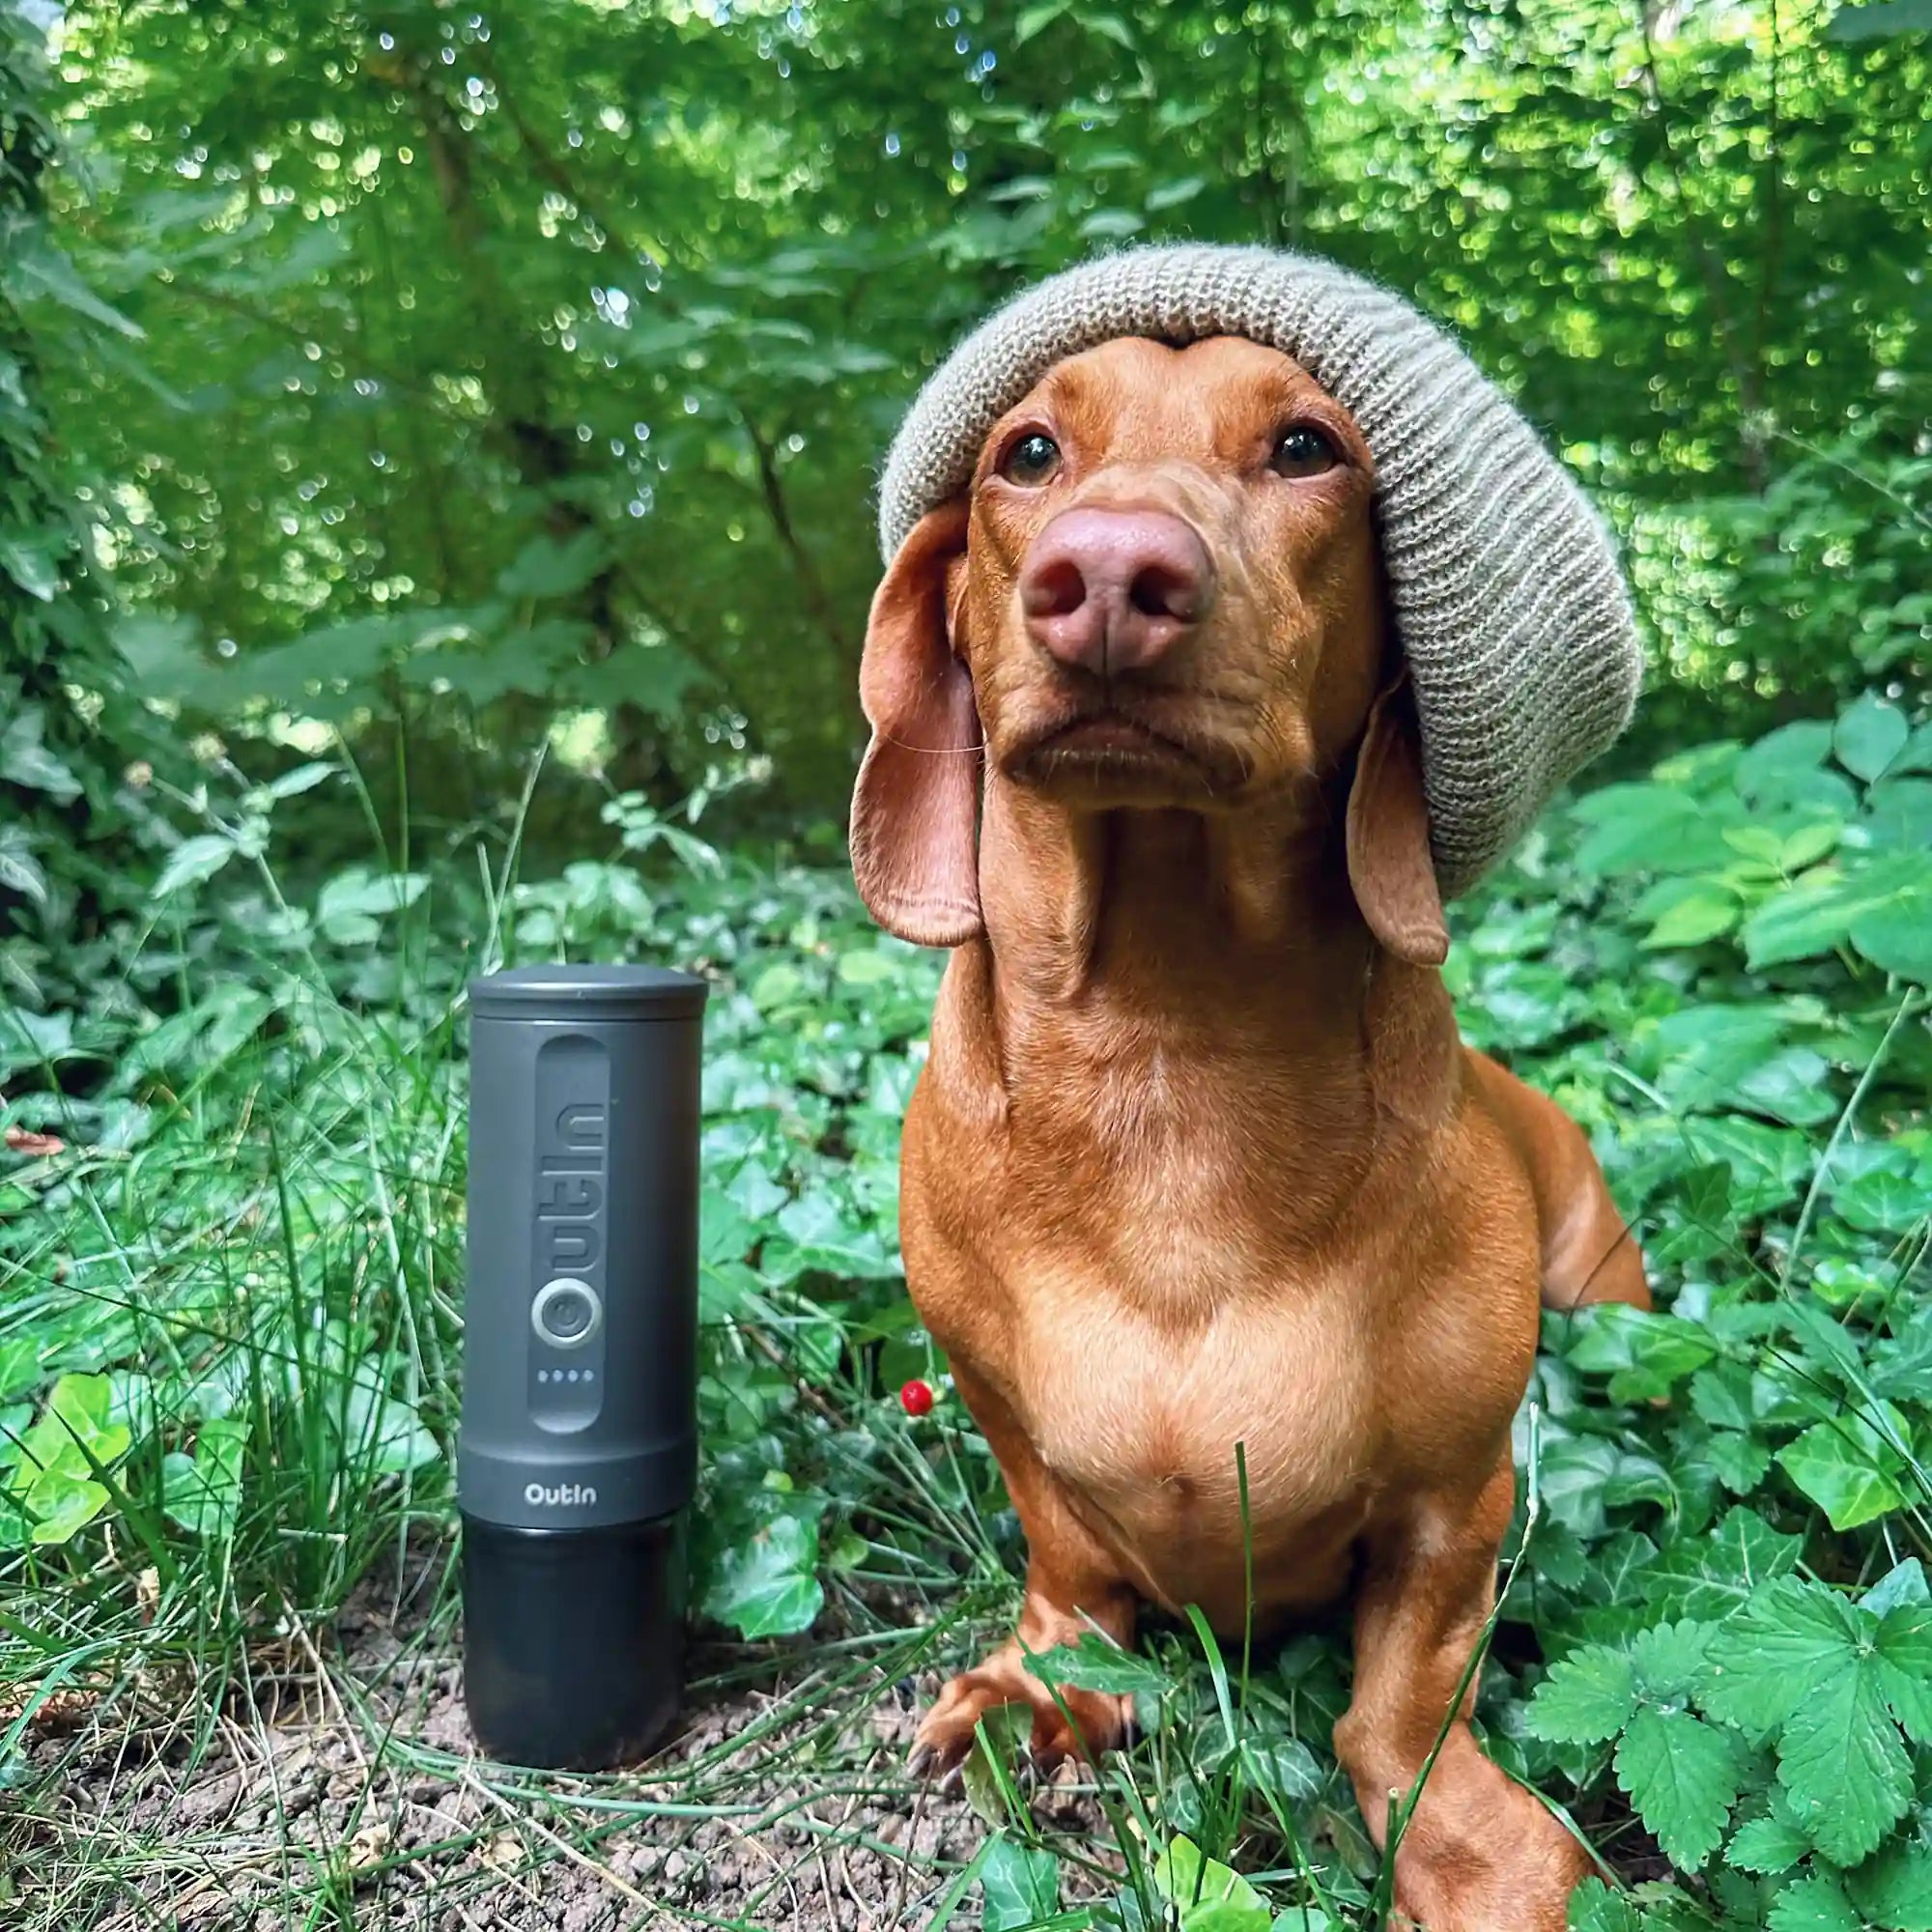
pixel 1111 931
pixel 1156 908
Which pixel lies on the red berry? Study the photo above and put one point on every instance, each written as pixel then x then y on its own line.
pixel 916 1398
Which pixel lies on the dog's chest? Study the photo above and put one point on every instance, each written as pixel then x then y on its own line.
pixel 1139 1413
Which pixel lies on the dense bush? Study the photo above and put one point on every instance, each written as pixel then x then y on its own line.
pixel 514 362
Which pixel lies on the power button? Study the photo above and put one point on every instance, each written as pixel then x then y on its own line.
pixel 566 1312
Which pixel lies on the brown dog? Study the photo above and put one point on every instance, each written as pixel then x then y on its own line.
pixel 1198 1158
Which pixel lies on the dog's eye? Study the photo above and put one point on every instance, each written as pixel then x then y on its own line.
pixel 1302 452
pixel 1031 461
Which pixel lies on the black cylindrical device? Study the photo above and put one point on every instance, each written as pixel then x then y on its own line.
pixel 579 1447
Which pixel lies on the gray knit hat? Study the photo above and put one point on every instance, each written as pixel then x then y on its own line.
pixel 1508 601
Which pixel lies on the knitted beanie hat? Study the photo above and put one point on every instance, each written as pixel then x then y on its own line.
pixel 1508 601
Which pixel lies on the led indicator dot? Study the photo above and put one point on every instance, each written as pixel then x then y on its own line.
pixel 573 1375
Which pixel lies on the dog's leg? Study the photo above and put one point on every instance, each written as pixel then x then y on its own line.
pixel 1072 1585
pixel 1589 1252
pixel 1480 1853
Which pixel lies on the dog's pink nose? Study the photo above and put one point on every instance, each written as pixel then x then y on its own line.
pixel 1110 590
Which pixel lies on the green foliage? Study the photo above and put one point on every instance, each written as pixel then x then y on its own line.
pixel 539 361
pixel 440 385
pixel 51 1487
pixel 1718 1634
pixel 67 727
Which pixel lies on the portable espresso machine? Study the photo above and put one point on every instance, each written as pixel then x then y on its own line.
pixel 579 1448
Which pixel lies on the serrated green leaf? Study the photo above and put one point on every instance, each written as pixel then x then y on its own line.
pixel 1767 1845
pixel 1842 1764
pixel 1742 1462
pixel 1595 1907
pixel 1903 1650
pixel 1682 1776
pixel 1588 1696
pixel 1668 1659
pixel 550 567
pixel 1814 1904
pixel 1894 1886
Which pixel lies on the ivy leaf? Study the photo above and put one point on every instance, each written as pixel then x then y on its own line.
pixel 1095 1663
pixel 203 1492
pixel 24 760
pixel 1682 1775
pixel 75 1430
pixel 1021 1884
pixel 1643 1353
pixel 1903 1584
pixel 990 1774
pixel 1712 1574
pixel 768 1586
pixel 1847 1469
pixel 192 862
pixel 1284 1766
pixel 61 1508
pixel 1202 1886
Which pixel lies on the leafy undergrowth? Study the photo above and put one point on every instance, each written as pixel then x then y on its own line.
pixel 230 1278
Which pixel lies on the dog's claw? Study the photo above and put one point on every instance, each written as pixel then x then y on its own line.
pixel 919 1763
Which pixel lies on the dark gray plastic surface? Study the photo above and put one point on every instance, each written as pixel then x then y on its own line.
pixel 581 1311
pixel 602 992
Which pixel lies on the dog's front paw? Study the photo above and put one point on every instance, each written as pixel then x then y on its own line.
pixel 1099 1721
pixel 1515 1875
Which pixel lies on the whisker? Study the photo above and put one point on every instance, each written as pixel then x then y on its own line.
pixel 930 751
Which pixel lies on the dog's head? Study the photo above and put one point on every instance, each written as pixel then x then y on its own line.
pixel 1161 589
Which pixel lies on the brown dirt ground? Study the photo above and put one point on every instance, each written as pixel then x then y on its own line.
pixel 343 1789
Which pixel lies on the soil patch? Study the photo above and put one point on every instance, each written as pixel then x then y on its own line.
pixel 339 1786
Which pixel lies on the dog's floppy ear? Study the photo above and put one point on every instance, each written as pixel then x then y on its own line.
pixel 1390 869
pixel 915 809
